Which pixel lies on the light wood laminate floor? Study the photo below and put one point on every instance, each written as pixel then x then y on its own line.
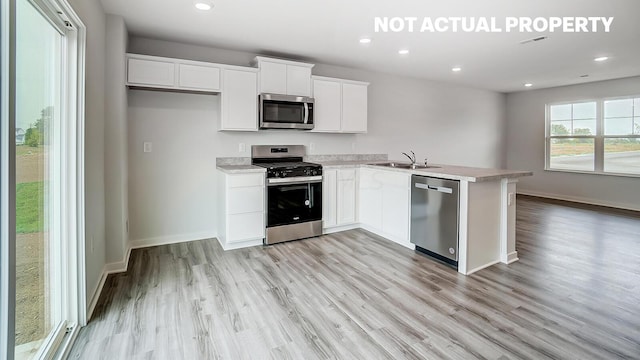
pixel 574 294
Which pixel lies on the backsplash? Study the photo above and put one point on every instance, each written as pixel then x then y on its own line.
pixel 222 161
pixel 347 157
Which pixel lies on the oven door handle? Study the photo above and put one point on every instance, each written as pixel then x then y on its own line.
pixel 296 180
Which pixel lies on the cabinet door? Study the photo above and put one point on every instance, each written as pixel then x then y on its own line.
pixel 239 101
pixel 199 77
pixel 327 111
pixel 370 200
pixel 245 226
pixel 151 72
pixel 273 78
pixel 354 108
pixel 395 212
pixel 346 196
pixel 298 80
pixel 329 198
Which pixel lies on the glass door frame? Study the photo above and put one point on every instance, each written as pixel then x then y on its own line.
pixel 71 303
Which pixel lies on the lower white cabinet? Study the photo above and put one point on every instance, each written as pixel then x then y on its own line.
pixel 239 108
pixel 384 203
pixel 241 210
pixel 339 197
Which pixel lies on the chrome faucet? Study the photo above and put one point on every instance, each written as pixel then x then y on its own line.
pixel 411 157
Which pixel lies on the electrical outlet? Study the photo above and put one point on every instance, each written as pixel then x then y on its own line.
pixel 241 147
pixel 512 197
pixel 312 146
pixel 148 147
pixel 353 146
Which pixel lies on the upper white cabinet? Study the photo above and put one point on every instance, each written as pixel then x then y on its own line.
pixel 354 107
pixel 340 105
pixel 151 72
pixel 327 112
pixel 284 77
pixel 239 108
pixel 174 74
pixel 198 77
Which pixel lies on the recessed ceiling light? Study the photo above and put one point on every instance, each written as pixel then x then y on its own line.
pixel 528 85
pixel 456 69
pixel 600 59
pixel 203 5
pixel 403 52
pixel 365 41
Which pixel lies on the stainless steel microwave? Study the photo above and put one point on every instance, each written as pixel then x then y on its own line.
pixel 285 111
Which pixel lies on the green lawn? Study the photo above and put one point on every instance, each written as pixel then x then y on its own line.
pixel 29 209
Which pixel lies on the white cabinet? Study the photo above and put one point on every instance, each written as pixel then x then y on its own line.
pixel 346 190
pixel 241 220
pixel 172 74
pixel 150 73
pixel 284 77
pixel 197 77
pixel 340 105
pixel 239 98
pixel 327 112
pixel 385 203
pixel 329 198
pixel 354 108
pixel 298 80
pixel 339 197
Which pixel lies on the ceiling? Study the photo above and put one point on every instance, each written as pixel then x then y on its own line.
pixel 328 31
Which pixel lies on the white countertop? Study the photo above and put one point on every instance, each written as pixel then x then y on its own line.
pixel 240 169
pixel 443 171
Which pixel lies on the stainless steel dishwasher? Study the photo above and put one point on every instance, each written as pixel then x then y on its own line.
pixel 435 215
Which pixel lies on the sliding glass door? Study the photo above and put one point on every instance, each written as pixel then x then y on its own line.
pixel 39 54
pixel 41 190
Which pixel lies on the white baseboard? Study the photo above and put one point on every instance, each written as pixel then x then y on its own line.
pixel 389 237
pixel 241 244
pixel 96 293
pixel 576 199
pixel 172 239
pixel 482 267
pixel 512 257
pixel 335 229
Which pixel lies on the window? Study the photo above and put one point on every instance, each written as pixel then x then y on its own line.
pixel 601 136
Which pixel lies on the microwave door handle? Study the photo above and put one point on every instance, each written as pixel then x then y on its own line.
pixel 306 113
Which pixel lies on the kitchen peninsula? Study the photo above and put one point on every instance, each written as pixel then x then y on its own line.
pixel 364 191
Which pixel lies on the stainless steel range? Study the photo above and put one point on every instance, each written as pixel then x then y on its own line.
pixel 294 192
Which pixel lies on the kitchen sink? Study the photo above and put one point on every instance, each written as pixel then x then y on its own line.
pixel 406 166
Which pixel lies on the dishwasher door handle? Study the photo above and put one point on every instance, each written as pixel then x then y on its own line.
pixel 441 189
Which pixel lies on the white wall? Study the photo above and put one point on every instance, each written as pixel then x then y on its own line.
pixel 115 141
pixel 172 190
pixel 526 146
pixel 93 17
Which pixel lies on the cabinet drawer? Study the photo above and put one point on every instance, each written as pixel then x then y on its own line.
pixel 245 200
pixel 245 180
pixel 151 72
pixel 245 226
pixel 199 77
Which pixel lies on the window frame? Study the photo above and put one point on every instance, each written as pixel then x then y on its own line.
pixel 598 138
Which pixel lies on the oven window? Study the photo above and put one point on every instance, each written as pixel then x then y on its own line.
pixel 283 112
pixel 292 204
